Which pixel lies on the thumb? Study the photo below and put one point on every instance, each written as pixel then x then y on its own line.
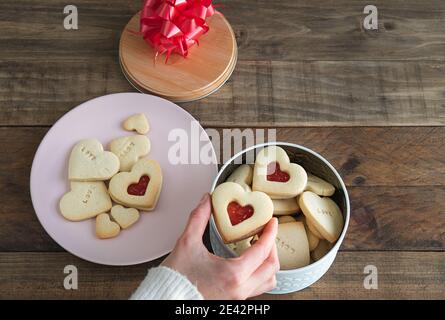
pixel 199 217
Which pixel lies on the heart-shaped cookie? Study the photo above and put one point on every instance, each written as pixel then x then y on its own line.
pixel 85 200
pixel 323 213
pixel 292 245
pixel 286 219
pixel 275 175
pixel 312 228
pixel 319 186
pixel 125 217
pixel 137 122
pixel 129 150
pixel 105 228
pixel 320 251
pixel 243 174
pixel 139 188
pixel 246 187
pixel 239 214
pixel 312 239
pixel 283 207
pixel 241 246
pixel 89 162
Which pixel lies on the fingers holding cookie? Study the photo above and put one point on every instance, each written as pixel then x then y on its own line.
pixel 199 218
pixel 263 279
pixel 254 257
pixel 239 214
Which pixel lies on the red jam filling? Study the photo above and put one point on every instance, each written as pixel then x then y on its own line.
pixel 238 213
pixel 275 174
pixel 138 189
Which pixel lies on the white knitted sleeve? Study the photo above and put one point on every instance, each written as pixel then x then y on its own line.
pixel 162 283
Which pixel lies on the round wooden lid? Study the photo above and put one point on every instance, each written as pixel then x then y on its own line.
pixel 207 67
pixel 190 97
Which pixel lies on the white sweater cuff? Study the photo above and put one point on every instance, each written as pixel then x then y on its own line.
pixel 162 283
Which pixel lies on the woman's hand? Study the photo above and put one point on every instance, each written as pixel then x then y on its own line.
pixel 251 274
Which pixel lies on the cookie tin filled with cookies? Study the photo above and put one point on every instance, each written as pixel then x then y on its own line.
pixel 296 185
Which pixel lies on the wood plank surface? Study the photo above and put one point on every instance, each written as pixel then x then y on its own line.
pixel 266 30
pixel 261 93
pixel 396 189
pixel 79 65
pixel 382 218
pixel 401 275
pixel 371 102
pixel 365 156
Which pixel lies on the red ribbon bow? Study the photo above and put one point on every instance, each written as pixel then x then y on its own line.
pixel 173 26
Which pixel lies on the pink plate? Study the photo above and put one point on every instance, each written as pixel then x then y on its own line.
pixel 155 234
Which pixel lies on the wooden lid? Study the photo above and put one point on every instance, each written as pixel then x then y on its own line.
pixel 207 67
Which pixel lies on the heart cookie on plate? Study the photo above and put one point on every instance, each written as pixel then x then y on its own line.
pixel 239 214
pixel 105 228
pixel 85 200
pixel 275 175
pixel 125 217
pixel 139 188
pixel 129 150
pixel 323 213
pixel 137 122
pixel 89 162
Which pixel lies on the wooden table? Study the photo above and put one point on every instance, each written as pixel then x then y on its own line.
pixel 371 102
